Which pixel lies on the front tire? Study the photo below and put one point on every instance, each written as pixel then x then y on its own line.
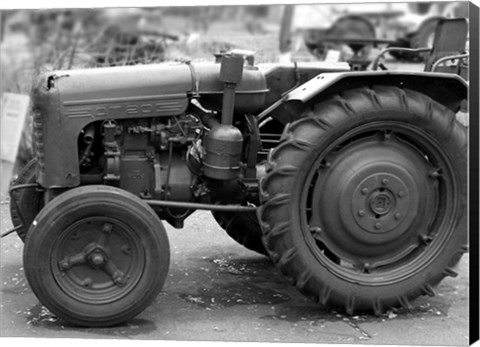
pixel 96 256
pixel 364 204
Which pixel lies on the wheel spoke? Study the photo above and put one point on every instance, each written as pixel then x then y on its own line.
pixel 73 260
pixel 106 231
pixel 118 277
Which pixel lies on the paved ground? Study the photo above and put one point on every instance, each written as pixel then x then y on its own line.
pixel 218 291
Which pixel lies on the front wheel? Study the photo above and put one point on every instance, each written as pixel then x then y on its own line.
pixel 96 256
pixel 364 204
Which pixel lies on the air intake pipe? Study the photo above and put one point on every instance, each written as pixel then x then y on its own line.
pixel 223 143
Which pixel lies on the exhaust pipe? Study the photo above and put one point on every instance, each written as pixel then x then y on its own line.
pixel 224 142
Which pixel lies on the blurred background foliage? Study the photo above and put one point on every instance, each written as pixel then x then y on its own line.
pixel 74 38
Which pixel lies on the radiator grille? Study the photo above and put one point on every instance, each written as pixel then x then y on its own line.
pixel 38 142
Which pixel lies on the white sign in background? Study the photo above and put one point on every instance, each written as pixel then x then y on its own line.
pixel 14 109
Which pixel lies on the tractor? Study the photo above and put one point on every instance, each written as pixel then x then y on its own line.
pixel 352 181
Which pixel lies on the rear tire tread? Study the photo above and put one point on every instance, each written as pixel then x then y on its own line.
pixel 285 156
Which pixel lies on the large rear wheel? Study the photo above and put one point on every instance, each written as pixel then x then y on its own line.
pixel 364 204
pixel 96 256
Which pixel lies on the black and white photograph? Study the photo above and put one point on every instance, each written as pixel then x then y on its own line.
pixel 219 173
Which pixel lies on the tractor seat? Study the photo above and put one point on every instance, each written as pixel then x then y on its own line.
pixel 448 45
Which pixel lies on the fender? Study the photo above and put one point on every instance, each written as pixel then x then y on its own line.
pixel 447 89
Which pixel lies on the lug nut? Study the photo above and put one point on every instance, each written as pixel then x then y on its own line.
pixel 87 282
pixel 361 213
pixel 119 280
pixel 64 265
pixel 384 181
pixel 316 232
pixel 401 194
pixel 397 216
pixel 378 226
pixel 107 228
pixel 425 239
pixel 364 191
pixel 126 250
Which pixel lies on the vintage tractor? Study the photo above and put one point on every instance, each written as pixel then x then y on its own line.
pixel 353 182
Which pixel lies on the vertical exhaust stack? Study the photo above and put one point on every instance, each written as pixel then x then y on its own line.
pixel 231 71
pixel 223 143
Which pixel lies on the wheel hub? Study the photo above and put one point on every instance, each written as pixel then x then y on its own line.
pixel 381 202
pixel 97 259
pixel 368 201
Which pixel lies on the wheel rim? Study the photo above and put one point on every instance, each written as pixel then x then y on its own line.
pixel 97 260
pixel 377 204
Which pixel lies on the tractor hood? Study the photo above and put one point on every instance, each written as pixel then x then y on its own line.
pixel 149 90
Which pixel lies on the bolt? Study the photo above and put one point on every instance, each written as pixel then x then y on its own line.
pixel 364 191
pixel 87 282
pixel 378 226
pixel 361 213
pixel 126 250
pixel 316 232
pixel 425 239
pixel 64 265
pixel 107 228
pixel 384 181
pixel 397 216
pixel 119 279
pixel 97 259
pixel 401 194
